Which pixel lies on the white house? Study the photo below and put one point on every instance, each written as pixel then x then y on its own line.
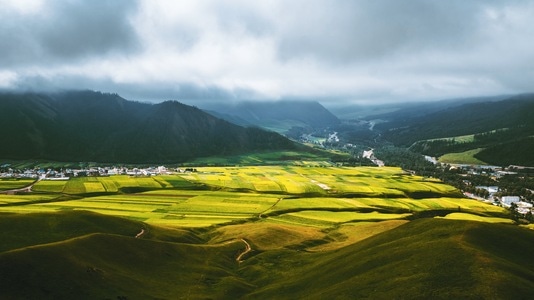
pixel 508 200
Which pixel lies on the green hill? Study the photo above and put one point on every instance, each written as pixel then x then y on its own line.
pixel 424 259
pixel 99 258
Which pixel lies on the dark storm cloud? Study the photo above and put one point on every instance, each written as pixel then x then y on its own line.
pixel 345 31
pixel 65 31
pixel 185 91
pixel 333 50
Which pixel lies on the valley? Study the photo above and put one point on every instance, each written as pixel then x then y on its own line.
pixel 169 201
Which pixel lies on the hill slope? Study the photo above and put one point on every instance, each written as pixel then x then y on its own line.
pixel 422 259
pixel 92 126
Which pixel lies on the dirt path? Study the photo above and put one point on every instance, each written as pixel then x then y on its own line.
pixel 247 250
pixel 140 234
pixel 276 203
pixel 26 189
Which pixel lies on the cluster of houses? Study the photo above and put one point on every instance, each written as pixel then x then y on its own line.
pixel 522 207
pixel 65 174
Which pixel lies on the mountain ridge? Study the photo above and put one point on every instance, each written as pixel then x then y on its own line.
pixel 94 126
pixel 278 115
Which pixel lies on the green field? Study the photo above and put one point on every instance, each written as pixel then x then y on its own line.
pixel 14 183
pixel 467 157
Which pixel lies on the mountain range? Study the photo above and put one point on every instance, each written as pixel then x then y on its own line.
pixel 94 126
pixel 502 129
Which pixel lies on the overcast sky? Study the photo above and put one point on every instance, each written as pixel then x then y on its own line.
pixel 334 51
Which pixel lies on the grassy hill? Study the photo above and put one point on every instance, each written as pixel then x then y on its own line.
pixel 425 258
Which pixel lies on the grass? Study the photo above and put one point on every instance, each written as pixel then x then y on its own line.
pixel 107 266
pixel 24 199
pixel 329 218
pixel 423 259
pixel 311 253
pixel 270 158
pixel 471 217
pixel 467 157
pixel 14 183
pixel 49 186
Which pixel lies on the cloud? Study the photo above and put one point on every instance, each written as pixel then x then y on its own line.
pixel 335 50
pixel 65 31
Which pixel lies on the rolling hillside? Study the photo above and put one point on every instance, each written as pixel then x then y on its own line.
pixel 425 258
pixel 92 126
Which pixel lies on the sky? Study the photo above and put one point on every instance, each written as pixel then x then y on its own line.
pixel 332 51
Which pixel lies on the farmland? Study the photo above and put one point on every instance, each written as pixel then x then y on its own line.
pixel 13 183
pixel 321 197
pixel 254 232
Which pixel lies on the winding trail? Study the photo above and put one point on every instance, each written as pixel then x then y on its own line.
pixel 247 250
pixel 140 234
pixel 276 203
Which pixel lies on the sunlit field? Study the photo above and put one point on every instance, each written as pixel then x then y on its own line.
pixel 14 183
pixel 296 195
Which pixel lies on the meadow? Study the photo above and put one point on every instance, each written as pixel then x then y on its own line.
pixel 466 157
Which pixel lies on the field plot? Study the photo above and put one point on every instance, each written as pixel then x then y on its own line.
pixel 164 207
pixel 318 180
pixel 470 217
pixel 23 199
pixel 12 183
pixel 49 186
pixel 329 218
pixel 112 184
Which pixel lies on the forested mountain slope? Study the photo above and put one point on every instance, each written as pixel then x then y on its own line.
pixel 93 126
pixel 281 115
pixel 502 129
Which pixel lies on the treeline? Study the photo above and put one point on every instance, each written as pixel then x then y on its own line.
pixel 404 158
pixel 520 152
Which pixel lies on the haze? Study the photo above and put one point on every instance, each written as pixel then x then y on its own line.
pixel 332 51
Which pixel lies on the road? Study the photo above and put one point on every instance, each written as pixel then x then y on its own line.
pixel 26 189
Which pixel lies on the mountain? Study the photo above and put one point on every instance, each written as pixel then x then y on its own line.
pixel 94 126
pixel 279 116
pixel 389 111
pixel 501 128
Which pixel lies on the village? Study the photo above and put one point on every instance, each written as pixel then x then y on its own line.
pixel 66 173
pixel 509 187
